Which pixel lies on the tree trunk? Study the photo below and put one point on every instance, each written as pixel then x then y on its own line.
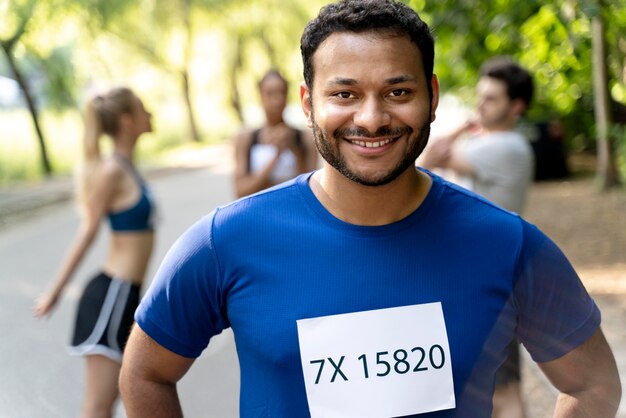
pixel 235 97
pixel 45 162
pixel 271 52
pixel 191 117
pixel 607 175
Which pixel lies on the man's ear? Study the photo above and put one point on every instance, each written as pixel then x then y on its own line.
pixel 435 100
pixel 305 101
pixel 519 107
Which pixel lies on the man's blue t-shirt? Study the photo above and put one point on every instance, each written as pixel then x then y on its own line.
pixel 263 262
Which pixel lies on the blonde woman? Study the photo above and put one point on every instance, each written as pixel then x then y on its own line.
pixel 109 187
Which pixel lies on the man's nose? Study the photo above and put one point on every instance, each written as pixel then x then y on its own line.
pixel 372 114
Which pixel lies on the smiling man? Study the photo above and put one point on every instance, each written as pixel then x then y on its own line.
pixel 368 288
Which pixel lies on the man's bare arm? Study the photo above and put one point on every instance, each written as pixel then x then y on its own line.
pixel 588 380
pixel 442 153
pixel 148 378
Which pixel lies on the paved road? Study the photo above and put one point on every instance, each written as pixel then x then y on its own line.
pixel 37 378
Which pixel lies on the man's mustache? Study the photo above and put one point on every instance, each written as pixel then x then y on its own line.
pixel 364 133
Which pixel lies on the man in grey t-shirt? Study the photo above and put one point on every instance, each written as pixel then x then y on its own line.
pixel 490 157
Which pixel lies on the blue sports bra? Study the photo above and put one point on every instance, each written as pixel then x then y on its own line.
pixel 138 217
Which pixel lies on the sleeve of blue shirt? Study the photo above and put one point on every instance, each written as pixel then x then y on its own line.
pixel 182 308
pixel 556 313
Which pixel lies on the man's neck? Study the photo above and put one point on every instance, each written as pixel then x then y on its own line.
pixel 368 205
pixel 496 131
pixel 503 126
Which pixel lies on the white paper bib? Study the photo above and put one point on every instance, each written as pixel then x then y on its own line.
pixel 377 364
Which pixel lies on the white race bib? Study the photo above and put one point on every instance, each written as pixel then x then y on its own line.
pixel 374 364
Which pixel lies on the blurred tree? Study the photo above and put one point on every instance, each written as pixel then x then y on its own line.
pixel 263 34
pixel 607 173
pixel 151 28
pixel 16 21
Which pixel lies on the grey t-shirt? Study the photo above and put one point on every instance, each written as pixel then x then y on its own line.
pixel 503 164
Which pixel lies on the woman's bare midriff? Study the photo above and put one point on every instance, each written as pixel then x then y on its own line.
pixel 128 255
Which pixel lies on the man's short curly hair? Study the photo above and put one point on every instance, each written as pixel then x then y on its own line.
pixel 519 82
pixel 388 17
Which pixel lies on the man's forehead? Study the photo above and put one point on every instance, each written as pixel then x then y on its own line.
pixel 378 49
pixel 491 86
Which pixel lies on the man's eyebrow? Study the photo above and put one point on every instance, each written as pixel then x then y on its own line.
pixel 345 81
pixel 342 81
pixel 400 79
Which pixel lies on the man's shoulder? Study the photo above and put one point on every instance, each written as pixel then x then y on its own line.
pixel 276 198
pixel 498 145
pixel 470 211
pixel 507 137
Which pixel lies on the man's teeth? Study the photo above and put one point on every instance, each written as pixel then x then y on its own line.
pixel 372 144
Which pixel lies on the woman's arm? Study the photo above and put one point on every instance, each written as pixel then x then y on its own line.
pixel 103 190
pixel 247 182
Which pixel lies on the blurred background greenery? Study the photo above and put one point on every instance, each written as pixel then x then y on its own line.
pixel 195 64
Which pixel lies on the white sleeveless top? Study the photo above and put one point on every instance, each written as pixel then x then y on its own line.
pixel 285 169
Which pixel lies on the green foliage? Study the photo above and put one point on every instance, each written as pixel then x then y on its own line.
pixel 60 85
pixel 105 11
pixel 557 50
pixel 43 50
pixel 14 15
pixel 19 157
pixel 616 42
pixel 270 36
pixel 552 39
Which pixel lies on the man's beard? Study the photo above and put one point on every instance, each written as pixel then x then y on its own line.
pixel 330 151
pixel 495 121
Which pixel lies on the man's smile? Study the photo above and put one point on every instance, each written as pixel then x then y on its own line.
pixel 372 144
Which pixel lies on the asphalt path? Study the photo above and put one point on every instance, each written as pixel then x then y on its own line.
pixel 38 379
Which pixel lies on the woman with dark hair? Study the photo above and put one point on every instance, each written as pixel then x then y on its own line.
pixel 108 187
pixel 276 152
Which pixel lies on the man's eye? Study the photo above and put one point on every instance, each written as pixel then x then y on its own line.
pixel 344 95
pixel 398 92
